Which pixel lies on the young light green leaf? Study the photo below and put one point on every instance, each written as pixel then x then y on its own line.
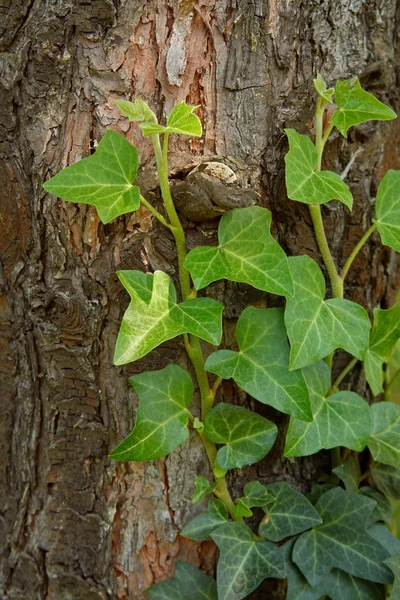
pixel 357 106
pixel 200 527
pixel 386 478
pixel 287 513
pixel 186 577
pixel 394 565
pixel 161 419
pixel 244 562
pixel 136 111
pixel 337 585
pixel 154 316
pixel 181 120
pixel 103 180
pixel 342 419
pixel 341 541
pixel 203 489
pixel 247 253
pixel 322 90
pixel 384 443
pixel 247 436
pixel 383 509
pixel 384 335
pixel 316 326
pixel 261 365
pixel 241 509
pixel 387 208
pixel 350 473
pixel 304 182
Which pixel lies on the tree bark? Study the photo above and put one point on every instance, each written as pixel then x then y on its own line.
pixel 75 524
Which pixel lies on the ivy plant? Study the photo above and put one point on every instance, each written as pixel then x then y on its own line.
pixel 335 541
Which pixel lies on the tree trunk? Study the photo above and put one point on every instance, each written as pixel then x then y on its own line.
pixel 75 524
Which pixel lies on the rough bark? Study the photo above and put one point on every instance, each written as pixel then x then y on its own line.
pixel 73 523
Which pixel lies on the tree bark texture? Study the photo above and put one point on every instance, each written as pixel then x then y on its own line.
pixel 73 523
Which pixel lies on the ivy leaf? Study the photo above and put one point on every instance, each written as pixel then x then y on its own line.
pixel 394 565
pixel 350 473
pixel 322 90
pixel 387 208
pixel 386 478
pixel 244 562
pixel 103 180
pixel 261 365
pixel 203 489
pixel 247 253
pixel 383 509
pixel 341 541
pixel 180 120
pixel 202 525
pixel 287 513
pixel 337 584
pixel 136 111
pixel 357 106
pixel 247 436
pixel 318 490
pixel 384 335
pixel 186 577
pixel 316 326
pixel 385 537
pixel 162 416
pixel 342 419
pixel 154 316
pixel 304 182
pixel 255 494
pixel 384 443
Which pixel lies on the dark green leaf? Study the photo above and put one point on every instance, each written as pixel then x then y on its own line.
pixel 386 478
pixel 316 327
pixel 181 120
pixel 349 472
pixel 187 577
pixel 244 562
pixel 385 537
pixel 203 489
pixel 136 111
pixel 322 90
pixel 247 252
pixel 287 513
pixel 103 180
pixel 383 509
pixel 162 416
pixel 261 365
pixel 342 419
pixel 357 106
pixel 247 436
pixel 341 541
pixel 202 525
pixel 304 182
pixel 388 209
pixel 318 490
pixel 154 316
pixel 394 565
pixel 384 442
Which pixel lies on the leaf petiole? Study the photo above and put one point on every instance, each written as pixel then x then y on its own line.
pixel 154 212
pixel 356 250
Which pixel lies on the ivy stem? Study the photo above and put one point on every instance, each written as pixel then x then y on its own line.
pixel 343 374
pixel 154 212
pixel 356 250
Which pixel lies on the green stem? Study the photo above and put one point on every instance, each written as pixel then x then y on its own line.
pixel 336 281
pixel 356 250
pixel 343 374
pixel 154 212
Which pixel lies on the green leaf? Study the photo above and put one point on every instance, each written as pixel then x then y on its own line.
pixel 153 316
pixel 387 208
pixel 247 436
pixel 304 182
pixel 342 419
pixel 255 494
pixel 322 90
pixel 386 478
pixel 162 416
pixel 384 443
pixel 203 489
pixel 287 513
pixel 247 253
pixel 136 111
pixel 394 565
pixel 383 509
pixel 244 562
pixel 350 473
pixel 181 120
pixel 241 509
pixel 103 180
pixel 384 335
pixel 318 490
pixel 202 525
pixel 261 365
pixel 341 541
pixel 357 106
pixel 385 537
pixel 187 577
pixel 337 584
pixel 316 326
